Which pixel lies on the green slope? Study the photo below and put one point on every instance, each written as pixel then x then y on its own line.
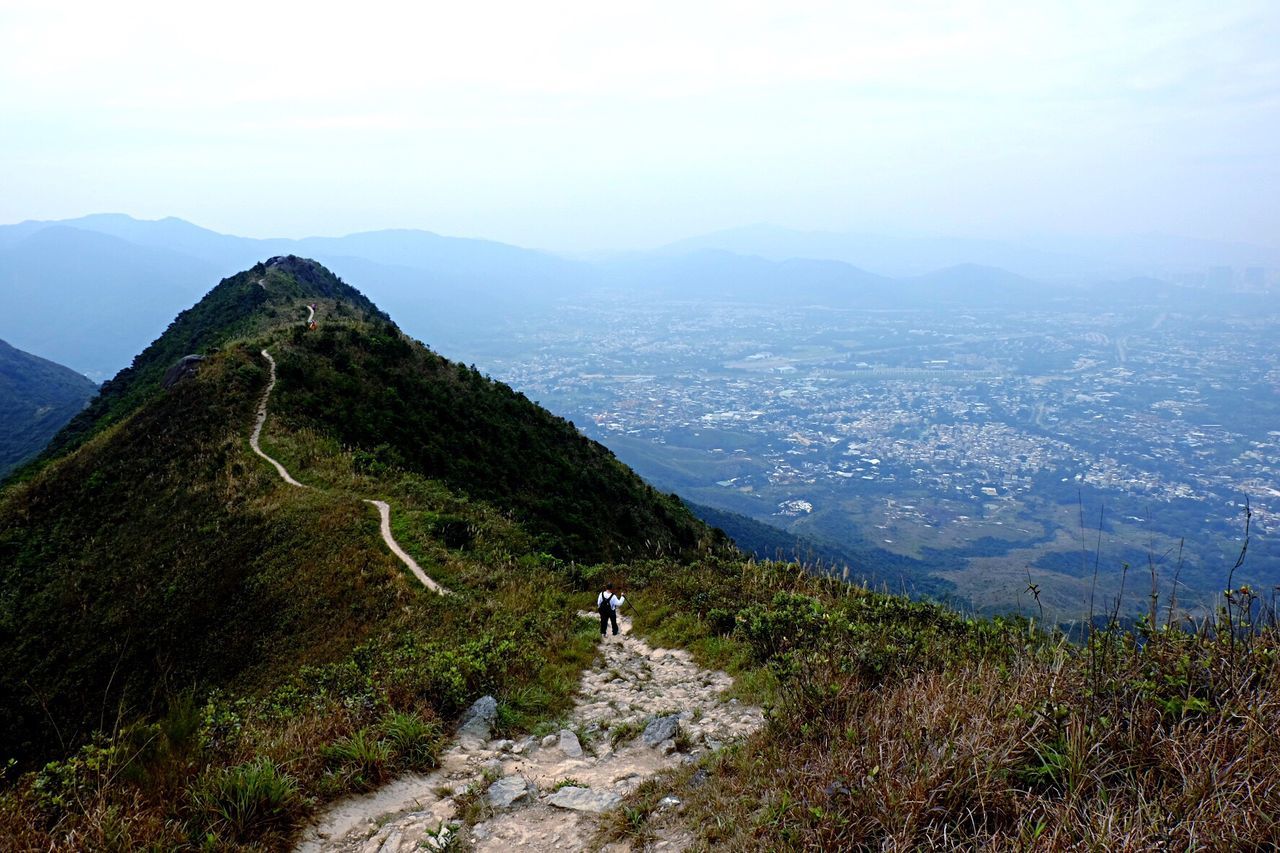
pixel 149 548
pixel 37 398
pixel 269 294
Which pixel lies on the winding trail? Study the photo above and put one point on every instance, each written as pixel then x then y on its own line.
pixel 262 419
pixel 383 509
pixel 638 711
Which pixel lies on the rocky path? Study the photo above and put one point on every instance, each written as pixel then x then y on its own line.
pixel 384 511
pixel 639 710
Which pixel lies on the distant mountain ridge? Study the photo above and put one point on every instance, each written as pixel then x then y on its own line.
pixel 90 292
pixel 1065 258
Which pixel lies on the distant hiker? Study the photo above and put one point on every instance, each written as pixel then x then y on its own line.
pixel 608 603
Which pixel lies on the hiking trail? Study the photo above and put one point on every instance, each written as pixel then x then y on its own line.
pixel 638 711
pixel 384 511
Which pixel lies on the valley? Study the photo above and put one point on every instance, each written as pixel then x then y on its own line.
pixel 997 437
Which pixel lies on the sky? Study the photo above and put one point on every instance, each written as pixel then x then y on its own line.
pixel 589 125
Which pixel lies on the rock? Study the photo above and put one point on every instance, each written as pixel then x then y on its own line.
pixel 668 802
pixel 584 799
pixel 502 745
pixel 181 369
pixel 477 723
pixel 507 790
pixel 550 740
pixel 569 744
pixel 698 779
pixel 392 844
pixel 661 729
pixel 667 747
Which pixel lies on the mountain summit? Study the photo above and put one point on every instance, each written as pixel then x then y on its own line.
pixel 185 559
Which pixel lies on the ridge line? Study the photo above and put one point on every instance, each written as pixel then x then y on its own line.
pixel 384 509
pixel 262 419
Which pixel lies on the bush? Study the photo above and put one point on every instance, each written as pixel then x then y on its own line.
pixel 414 740
pixel 362 758
pixel 245 802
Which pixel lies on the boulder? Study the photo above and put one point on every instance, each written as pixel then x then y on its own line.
pixel 507 790
pixel 569 744
pixel 477 723
pixel 181 369
pixel 584 799
pixel 661 729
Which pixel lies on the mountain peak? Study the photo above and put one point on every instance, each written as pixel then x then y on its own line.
pixel 271 294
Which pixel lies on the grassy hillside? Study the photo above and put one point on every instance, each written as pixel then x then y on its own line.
pixel 903 725
pixel 37 398
pixel 194 655
pixel 406 408
pixel 148 557
pixel 269 294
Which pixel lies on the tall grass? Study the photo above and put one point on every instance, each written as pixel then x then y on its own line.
pixel 899 725
pixel 245 802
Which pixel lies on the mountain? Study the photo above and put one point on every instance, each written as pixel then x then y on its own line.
pixel 87 299
pixel 1050 258
pixel 200 648
pixel 904 256
pixel 91 291
pixel 184 560
pixel 713 275
pixel 37 398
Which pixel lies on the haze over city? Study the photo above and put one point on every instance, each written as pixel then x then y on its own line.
pixel 581 126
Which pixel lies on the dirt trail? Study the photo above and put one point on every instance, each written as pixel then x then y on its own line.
pixel 262 419
pixel 384 511
pixel 659 706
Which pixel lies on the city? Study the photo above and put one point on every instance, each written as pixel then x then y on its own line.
pixel 996 446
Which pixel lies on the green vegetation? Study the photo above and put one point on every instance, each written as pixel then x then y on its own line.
pixel 230 651
pixel 408 409
pixel 907 725
pixel 37 398
pixel 194 655
pixel 267 295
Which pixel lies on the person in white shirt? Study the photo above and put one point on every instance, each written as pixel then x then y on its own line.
pixel 607 604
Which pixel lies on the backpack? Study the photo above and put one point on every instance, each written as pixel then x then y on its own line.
pixel 606 604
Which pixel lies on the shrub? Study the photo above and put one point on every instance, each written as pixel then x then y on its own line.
pixel 245 802
pixel 362 758
pixel 413 739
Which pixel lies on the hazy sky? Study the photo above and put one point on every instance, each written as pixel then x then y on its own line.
pixel 596 124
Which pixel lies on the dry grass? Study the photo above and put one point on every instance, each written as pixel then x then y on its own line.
pixel 991 737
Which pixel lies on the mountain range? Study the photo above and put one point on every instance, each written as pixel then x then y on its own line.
pixel 1048 258
pixel 90 292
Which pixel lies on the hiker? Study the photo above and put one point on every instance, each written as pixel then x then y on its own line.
pixel 608 603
